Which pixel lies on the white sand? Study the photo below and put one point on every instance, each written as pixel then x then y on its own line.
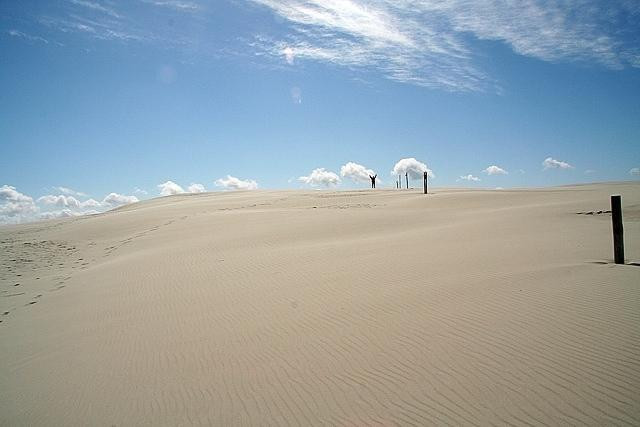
pixel 349 308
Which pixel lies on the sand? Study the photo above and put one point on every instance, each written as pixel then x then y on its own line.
pixel 463 307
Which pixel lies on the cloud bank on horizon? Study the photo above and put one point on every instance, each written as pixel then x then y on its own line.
pixel 16 207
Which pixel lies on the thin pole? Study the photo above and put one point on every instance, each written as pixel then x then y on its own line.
pixel 618 233
pixel 406 175
pixel 425 182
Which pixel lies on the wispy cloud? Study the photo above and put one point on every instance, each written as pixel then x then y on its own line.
pixel 96 7
pixel 634 172
pixel 550 163
pixel 28 37
pixel 427 43
pixel 98 27
pixel 70 191
pixel 296 95
pixel 435 44
pixel 187 6
pixel 374 34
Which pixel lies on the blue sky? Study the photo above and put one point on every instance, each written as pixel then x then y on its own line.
pixel 103 102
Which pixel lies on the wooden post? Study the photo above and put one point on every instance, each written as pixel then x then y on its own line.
pixel 618 235
pixel 406 175
pixel 425 182
pixel 399 183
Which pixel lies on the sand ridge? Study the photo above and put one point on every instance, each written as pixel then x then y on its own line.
pixel 464 307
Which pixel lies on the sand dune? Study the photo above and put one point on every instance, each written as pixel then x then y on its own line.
pixel 464 307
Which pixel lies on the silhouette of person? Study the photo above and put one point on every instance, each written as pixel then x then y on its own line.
pixel 373 180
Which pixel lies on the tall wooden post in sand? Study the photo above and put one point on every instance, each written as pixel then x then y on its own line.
pixel 425 182
pixel 406 175
pixel 618 234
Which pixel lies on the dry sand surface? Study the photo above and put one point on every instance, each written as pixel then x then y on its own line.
pixel 464 307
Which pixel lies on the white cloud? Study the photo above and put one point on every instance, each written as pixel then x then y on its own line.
pixel 196 188
pixel 413 167
pixel 550 163
pixel 495 170
pixel 15 206
pixel 233 183
pixel 70 202
pixel 28 37
pixel 114 199
pixel 10 194
pixel 356 172
pixel 634 172
pixel 185 6
pixel 289 55
pixel 589 172
pixel 140 191
pixel 320 176
pixel 170 188
pixel 96 6
pixel 63 213
pixel 60 201
pixel 70 192
pixel 100 27
pixel 469 178
pixel 296 95
pixel 91 203
pixel 431 43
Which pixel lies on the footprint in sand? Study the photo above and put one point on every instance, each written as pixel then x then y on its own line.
pixel 13 295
